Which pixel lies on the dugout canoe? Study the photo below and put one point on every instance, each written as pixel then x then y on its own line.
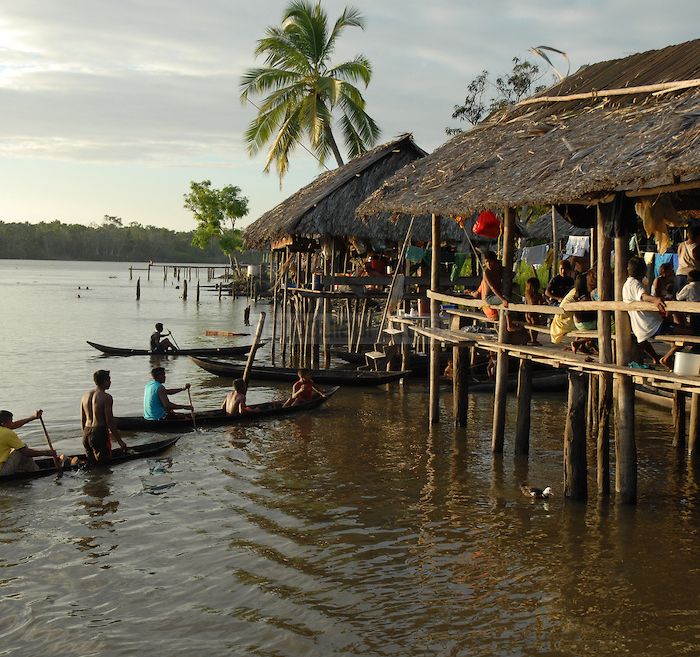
pixel 217 417
pixel 289 374
pixel 241 350
pixel 47 466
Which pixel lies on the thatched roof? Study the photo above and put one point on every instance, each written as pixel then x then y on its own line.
pixel 326 207
pixel 540 228
pixel 559 152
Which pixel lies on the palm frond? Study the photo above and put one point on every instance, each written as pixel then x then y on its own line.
pixel 350 17
pixel 261 80
pixel 363 124
pixel 280 49
pixel 356 69
pixel 307 26
pixel 330 88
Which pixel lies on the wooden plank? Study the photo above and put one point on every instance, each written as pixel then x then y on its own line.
pixel 444 335
pixel 479 317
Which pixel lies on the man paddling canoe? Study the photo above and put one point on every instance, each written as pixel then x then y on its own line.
pixel 97 420
pixel 15 456
pixel 156 405
pixel 159 344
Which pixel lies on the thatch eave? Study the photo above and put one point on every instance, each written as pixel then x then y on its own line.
pixel 568 152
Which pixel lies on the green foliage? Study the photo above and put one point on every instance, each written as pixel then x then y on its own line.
pixel 132 243
pixel 216 212
pixel 302 88
pixel 507 89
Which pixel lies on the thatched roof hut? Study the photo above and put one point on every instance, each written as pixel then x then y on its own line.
pixel 620 125
pixel 327 206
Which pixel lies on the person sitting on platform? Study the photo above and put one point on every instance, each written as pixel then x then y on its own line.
pixel 664 285
pixel 15 456
pixel 691 292
pixel 235 403
pixel 533 297
pixel 156 405
pixel 646 324
pixel 159 344
pixel 561 284
pixel 303 390
pixel 491 285
pixel 586 320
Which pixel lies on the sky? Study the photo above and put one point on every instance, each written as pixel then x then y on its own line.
pixel 114 107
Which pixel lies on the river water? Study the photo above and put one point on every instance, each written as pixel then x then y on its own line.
pixel 354 530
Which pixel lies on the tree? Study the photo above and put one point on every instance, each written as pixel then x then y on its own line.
pixel 304 89
pixel 508 89
pixel 216 211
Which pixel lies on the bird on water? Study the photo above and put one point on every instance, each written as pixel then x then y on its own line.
pixel 537 493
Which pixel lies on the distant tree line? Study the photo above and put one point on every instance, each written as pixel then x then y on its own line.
pixel 110 241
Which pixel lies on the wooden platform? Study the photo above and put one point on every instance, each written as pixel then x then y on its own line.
pixel 454 338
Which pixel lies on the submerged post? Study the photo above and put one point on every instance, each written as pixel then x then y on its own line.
pixel 197 291
pixel 434 417
pixel 138 289
pixel 524 397
pixel 575 467
pixel 605 352
pixel 460 384
pixel 501 388
pixel 625 444
pixel 184 290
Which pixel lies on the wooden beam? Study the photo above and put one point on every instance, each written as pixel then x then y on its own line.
pixel 524 398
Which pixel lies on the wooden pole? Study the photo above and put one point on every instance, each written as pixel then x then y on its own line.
pixel 524 397
pixel 198 290
pixel 131 273
pixel 286 318
pixel 555 244
pixel 184 290
pixel 460 385
pixel 605 351
pixel 625 444
pixel 254 347
pixel 679 419
pixel 501 387
pixel 434 414
pixel 361 325
pixel 314 335
pixel 138 288
pixel 575 468
pixel 694 433
pixel 274 271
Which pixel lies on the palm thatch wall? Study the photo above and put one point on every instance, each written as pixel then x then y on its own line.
pixel 327 206
pixel 565 152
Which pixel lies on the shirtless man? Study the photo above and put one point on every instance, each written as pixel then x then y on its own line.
pixel 159 344
pixel 98 422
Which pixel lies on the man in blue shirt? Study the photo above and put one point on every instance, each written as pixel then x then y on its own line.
pixel 156 405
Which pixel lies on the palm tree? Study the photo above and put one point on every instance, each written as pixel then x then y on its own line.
pixel 303 88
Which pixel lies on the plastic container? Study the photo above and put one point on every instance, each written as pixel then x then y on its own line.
pixel 686 364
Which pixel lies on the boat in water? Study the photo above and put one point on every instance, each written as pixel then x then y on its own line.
pixel 241 350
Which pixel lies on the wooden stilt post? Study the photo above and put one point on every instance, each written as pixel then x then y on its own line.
pixel 314 335
pixel 575 469
pixel 435 323
pixel 286 318
pixel 138 288
pixel 460 384
pixel 184 290
pixel 524 397
pixel 131 273
pixel 694 433
pixel 149 272
pixel 625 444
pixel 274 271
pixel 197 291
pixel 679 419
pixel 605 352
pixel 501 388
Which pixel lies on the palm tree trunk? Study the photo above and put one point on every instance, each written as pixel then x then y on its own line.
pixel 334 148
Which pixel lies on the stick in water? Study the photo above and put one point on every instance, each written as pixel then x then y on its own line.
pixel 177 346
pixel 194 423
pixel 56 460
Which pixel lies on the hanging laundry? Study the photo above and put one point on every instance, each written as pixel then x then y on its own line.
pixel 415 254
pixel 577 246
pixel 460 259
pixel 656 216
pixel 621 219
pixel 535 255
pixel 662 259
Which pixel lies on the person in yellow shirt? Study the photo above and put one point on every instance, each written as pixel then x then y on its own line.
pixel 15 456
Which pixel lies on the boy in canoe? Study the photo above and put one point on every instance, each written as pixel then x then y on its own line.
pixel 97 420
pixel 235 404
pixel 159 344
pixel 303 390
pixel 156 405
pixel 15 456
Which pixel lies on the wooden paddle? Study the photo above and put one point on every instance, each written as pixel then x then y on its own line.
pixel 177 346
pixel 56 460
pixel 194 423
